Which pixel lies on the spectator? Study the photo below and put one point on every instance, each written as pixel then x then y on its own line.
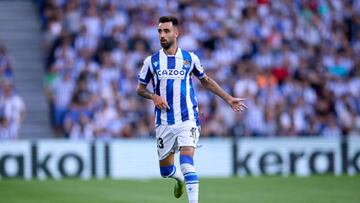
pixel 61 93
pixel 295 61
pixel 13 108
pixel 7 129
pixel 6 68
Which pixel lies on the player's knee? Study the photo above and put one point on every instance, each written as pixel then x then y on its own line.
pixel 167 171
pixel 187 151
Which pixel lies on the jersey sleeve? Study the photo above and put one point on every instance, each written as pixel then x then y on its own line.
pixel 145 74
pixel 198 69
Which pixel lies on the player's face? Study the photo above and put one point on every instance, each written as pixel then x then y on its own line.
pixel 167 34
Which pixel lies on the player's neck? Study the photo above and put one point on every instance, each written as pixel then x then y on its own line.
pixel 171 51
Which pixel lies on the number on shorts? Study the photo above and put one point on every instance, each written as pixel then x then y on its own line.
pixel 193 133
pixel 160 143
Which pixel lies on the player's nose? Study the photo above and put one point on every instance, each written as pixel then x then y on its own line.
pixel 162 36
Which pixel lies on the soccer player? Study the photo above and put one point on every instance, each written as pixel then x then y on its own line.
pixel 176 111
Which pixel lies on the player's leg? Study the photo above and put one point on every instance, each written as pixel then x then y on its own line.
pixel 189 172
pixel 169 170
pixel 188 135
pixel 166 142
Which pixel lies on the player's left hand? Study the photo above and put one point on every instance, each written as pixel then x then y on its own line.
pixel 237 104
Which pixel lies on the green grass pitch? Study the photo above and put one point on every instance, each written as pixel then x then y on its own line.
pixel 317 189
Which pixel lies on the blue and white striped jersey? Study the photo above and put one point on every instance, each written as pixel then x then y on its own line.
pixel 171 79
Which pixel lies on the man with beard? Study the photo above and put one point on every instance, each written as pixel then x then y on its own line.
pixel 176 110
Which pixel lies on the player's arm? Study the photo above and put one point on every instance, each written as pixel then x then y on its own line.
pixel 144 92
pixel 237 104
pixel 159 102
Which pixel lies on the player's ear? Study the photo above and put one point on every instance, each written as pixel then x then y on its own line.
pixel 176 31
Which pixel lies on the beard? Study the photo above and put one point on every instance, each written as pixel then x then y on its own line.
pixel 166 44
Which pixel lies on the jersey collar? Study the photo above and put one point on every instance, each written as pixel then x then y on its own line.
pixel 177 54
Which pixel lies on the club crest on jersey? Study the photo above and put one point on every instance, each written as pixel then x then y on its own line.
pixel 171 74
pixel 186 63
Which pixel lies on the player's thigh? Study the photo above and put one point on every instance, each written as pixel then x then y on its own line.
pixel 188 135
pixel 166 144
pixel 168 161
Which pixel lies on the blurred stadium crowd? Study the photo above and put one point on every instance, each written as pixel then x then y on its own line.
pixel 12 106
pixel 296 61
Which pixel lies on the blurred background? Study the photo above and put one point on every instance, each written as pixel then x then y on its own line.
pixel 69 108
pixel 68 67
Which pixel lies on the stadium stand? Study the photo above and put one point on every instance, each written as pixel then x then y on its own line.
pixel 296 62
pixel 20 33
pixel 12 107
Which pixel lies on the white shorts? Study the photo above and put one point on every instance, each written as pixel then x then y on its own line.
pixel 171 137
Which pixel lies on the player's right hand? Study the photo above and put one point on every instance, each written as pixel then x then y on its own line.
pixel 160 103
